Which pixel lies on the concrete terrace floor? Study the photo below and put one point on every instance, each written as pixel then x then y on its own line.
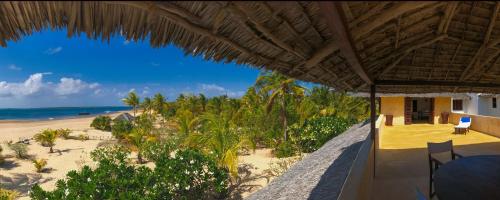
pixel 402 163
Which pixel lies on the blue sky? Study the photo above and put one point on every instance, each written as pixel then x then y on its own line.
pixel 49 69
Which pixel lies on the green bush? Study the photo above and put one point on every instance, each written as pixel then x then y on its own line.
pixel 317 131
pixel 187 175
pixel 20 149
pixel 121 128
pixel 63 132
pixel 102 123
pixel 285 149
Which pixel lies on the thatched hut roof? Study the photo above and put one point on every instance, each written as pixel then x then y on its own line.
pixel 400 46
pixel 124 117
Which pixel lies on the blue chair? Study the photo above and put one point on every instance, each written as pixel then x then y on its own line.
pixel 464 124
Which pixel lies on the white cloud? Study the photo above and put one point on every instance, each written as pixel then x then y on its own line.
pixel 212 87
pixel 145 91
pixel 236 94
pixel 35 85
pixel 126 42
pixel 69 86
pixel 15 68
pixel 52 51
pixel 30 86
pixel 213 90
pixel 94 85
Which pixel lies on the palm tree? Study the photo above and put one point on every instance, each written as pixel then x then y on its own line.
pixel 203 101
pixel 219 137
pixel 158 103
pixel 140 135
pixel 147 105
pixel 281 90
pixel 187 122
pixel 132 100
pixel 47 138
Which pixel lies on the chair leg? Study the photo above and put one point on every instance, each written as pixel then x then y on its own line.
pixel 430 182
pixel 430 187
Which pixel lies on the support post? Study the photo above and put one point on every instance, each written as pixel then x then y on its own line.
pixel 372 123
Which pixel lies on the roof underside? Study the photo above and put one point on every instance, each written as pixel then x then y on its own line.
pixel 422 43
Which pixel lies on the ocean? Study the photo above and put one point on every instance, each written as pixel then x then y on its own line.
pixel 56 113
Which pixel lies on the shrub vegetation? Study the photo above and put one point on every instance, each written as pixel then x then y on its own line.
pixel 47 138
pixel 20 150
pixel 187 175
pixel 102 123
pixel 317 131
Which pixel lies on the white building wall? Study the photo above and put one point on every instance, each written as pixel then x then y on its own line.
pixel 486 107
pixel 469 104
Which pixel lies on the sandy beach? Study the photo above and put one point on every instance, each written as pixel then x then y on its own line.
pixel 71 154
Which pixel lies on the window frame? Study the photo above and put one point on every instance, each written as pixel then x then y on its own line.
pixel 494 102
pixel 454 105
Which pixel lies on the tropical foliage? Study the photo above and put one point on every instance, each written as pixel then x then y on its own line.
pixel 132 100
pixel 277 112
pixel 20 149
pixel 317 131
pixel 188 174
pixel 102 123
pixel 64 133
pixel 47 138
pixel 8 194
pixel 39 164
pixel 121 128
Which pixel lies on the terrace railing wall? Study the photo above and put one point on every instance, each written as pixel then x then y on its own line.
pixel 485 124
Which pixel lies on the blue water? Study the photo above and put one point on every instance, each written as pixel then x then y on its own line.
pixel 55 113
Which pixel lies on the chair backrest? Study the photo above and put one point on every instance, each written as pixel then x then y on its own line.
pixel 465 119
pixel 439 147
pixel 420 196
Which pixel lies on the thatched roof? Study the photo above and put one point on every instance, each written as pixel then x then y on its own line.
pixel 124 117
pixel 400 46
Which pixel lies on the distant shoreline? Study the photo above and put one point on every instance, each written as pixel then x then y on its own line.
pixel 58 118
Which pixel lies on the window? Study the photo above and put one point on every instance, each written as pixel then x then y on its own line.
pixel 457 104
pixel 414 106
pixel 494 102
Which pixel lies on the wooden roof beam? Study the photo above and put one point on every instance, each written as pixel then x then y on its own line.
pixel 475 61
pixel 332 12
pixel 436 83
pixel 387 15
pixel 425 41
pixel 373 11
pixel 447 17
pixel 242 14
pixel 183 22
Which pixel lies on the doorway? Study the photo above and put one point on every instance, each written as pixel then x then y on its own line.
pixel 419 110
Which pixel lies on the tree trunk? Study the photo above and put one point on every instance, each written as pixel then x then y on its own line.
pixel 133 108
pixel 285 122
pixel 139 157
pixel 51 150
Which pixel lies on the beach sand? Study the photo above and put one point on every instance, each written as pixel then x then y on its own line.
pixel 72 154
pixel 69 154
